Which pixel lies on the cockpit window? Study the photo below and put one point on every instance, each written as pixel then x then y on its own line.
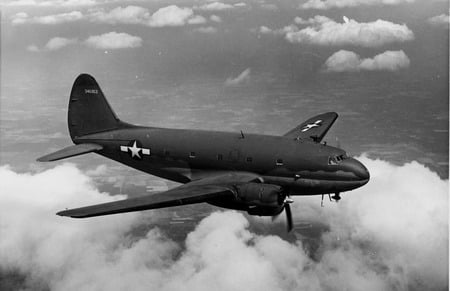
pixel 334 160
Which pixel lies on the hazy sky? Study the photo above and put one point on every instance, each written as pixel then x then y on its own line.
pixel 257 66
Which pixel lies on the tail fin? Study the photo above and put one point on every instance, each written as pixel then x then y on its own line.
pixel 89 111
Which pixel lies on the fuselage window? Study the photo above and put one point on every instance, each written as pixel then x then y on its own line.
pixel 249 159
pixel 279 162
pixel 336 159
pixel 332 161
pixel 219 157
pixel 192 155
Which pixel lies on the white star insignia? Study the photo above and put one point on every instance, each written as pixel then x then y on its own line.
pixel 135 151
pixel 317 123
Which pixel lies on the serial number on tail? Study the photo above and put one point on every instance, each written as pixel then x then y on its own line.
pixel 90 91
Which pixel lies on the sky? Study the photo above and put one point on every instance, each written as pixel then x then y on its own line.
pixel 256 66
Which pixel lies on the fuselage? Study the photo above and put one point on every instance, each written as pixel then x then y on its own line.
pixel 301 167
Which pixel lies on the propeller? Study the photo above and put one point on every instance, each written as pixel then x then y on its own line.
pixel 338 143
pixel 290 224
pixel 287 208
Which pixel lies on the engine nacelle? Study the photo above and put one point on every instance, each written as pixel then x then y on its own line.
pixel 265 211
pixel 260 195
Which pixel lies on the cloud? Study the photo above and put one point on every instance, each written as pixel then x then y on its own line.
pixel 32 48
pixel 215 6
pixel 23 18
pixel 243 77
pixel 167 16
pixel 196 19
pixel 347 61
pixel 57 43
pixel 171 16
pixel 325 31
pixel 110 40
pixel 114 40
pixel 207 29
pixel 49 3
pixel 265 29
pixel 439 20
pixel 269 6
pixel 215 18
pixel 128 15
pixel 392 234
pixel 327 4
pixel 53 44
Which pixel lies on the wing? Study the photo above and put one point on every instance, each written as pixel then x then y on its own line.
pixel 193 192
pixel 314 128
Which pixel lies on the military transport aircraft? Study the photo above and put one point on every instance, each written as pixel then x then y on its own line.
pixel 250 172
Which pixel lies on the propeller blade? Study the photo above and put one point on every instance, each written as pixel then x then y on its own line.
pixel 338 143
pixel 274 217
pixel 287 208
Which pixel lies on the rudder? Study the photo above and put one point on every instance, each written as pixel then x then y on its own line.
pixel 89 111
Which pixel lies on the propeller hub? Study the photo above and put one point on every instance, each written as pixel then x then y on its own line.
pixel 288 200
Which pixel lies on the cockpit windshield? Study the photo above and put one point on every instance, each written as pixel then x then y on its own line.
pixel 335 160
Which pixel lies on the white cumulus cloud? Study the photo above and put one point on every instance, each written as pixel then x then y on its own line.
pixel 114 40
pixel 50 3
pixel 327 4
pixel 348 61
pixel 33 48
pixel 244 76
pixel 129 15
pixel 207 29
pixel 53 44
pixel 391 234
pixel 23 18
pixel 325 31
pixel 441 20
pixel 171 16
pixel 57 43
pixel 215 18
pixel 215 6
pixel 166 16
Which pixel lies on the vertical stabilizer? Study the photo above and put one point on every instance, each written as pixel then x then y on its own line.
pixel 89 111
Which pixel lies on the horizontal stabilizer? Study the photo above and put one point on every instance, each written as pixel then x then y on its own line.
pixel 71 151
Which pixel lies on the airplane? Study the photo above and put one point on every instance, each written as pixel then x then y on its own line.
pixel 247 172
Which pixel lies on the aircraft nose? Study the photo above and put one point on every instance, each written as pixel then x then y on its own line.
pixel 357 168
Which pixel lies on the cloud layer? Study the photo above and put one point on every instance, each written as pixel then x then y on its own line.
pixel 327 4
pixel 107 41
pixel 392 234
pixel 23 18
pixel 171 15
pixel 348 61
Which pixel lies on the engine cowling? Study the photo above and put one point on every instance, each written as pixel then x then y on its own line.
pixel 262 199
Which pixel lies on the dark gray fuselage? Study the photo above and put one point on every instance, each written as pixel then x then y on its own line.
pixel 301 167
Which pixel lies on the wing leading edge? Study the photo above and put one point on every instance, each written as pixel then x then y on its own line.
pixel 314 128
pixel 174 197
pixel 193 192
